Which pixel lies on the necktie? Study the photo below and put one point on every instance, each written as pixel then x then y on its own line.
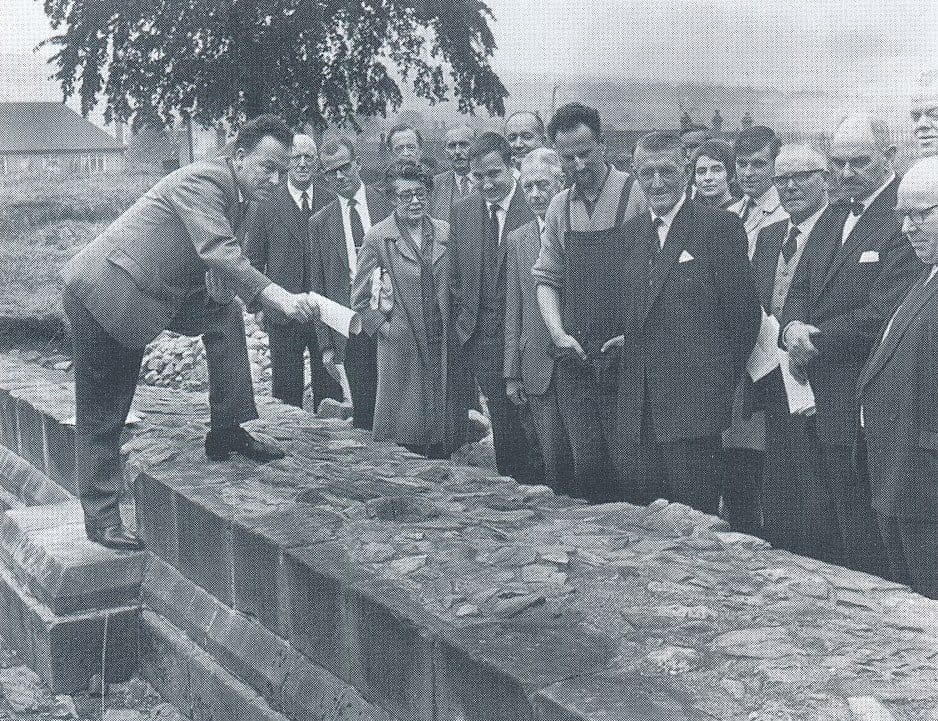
pixel 463 186
pixel 856 207
pixel 746 209
pixel 790 246
pixel 355 221
pixel 493 225
pixel 655 239
pixel 304 203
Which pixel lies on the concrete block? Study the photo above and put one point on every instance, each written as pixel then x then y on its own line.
pixel 47 550
pixel 259 566
pixel 9 434
pixel 205 552
pixel 31 437
pixel 191 680
pixel 66 651
pixel 60 442
pixel 157 517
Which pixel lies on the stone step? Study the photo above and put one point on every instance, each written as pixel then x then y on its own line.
pixel 22 484
pixel 67 650
pixel 48 552
pixel 289 682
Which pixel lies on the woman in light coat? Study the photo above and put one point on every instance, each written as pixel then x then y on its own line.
pixel 401 292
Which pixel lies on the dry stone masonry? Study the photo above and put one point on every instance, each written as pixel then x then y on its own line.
pixel 353 580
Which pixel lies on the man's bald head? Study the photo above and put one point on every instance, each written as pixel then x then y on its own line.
pixel 917 203
pixel 303 158
pixel 861 156
pixel 457 143
pixel 923 109
pixel 801 180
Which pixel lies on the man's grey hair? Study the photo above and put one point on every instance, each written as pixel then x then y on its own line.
pixel 542 158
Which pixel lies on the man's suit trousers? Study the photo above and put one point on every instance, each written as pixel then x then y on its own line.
pixel 361 367
pixel 105 380
pixel 287 345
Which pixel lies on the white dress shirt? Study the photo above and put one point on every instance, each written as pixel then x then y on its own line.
pixel 501 210
pixel 666 220
pixel 361 205
pixel 852 219
pixel 297 195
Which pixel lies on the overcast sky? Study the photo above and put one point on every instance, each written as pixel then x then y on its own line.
pixel 867 45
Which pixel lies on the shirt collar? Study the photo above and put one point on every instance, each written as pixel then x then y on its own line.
pixel 768 202
pixel 360 197
pixel 505 202
pixel 807 225
pixel 870 199
pixel 297 194
pixel 668 217
pixel 575 193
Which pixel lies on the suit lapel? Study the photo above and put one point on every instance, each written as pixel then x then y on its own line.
pixel 291 215
pixel 337 233
pixel 674 244
pixel 829 246
pixel 897 331
pixel 879 212
pixel 765 260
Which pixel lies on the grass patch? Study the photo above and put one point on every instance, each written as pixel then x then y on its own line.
pixel 42 225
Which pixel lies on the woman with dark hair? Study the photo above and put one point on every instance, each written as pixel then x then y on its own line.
pixel 401 293
pixel 713 165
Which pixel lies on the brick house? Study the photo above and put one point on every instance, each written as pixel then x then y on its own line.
pixel 43 138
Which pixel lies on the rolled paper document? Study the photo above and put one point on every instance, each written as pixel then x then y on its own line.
pixel 335 315
pixel 375 289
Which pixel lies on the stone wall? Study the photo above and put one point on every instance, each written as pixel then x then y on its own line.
pixel 353 580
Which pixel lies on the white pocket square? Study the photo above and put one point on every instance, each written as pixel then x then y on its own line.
pixel 685 257
pixel 869 256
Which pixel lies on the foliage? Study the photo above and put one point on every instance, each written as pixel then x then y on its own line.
pixel 43 223
pixel 316 61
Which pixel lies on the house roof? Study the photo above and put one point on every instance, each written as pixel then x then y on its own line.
pixel 49 128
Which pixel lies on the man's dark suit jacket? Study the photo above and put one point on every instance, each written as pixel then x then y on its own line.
pixel 467 233
pixel 848 291
pixel 443 195
pixel 328 258
pixel 689 326
pixel 899 393
pixel 527 340
pixel 277 240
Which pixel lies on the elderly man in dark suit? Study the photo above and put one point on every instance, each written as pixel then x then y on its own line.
pixel 337 232
pixel 172 260
pixel 846 284
pixel 690 316
pixel 796 506
pixel 529 362
pixel 451 186
pixel 898 392
pixel 479 226
pixel 277 244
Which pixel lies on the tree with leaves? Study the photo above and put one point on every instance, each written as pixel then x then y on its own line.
pixel 310 61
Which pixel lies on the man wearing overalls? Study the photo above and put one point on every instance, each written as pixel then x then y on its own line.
pixel 579 290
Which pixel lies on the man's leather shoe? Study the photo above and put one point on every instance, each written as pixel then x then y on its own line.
pixel 219 444
pixel 116 537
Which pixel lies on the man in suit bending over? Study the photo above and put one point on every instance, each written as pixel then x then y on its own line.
pixel 479 226
pixel 529 361
pixel 847 283
pixel 336 234
pixel 277 244
pixel 691 315
pixel 172 261
pixel 898 391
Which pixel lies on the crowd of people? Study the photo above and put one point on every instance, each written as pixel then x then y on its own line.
pixel 606 317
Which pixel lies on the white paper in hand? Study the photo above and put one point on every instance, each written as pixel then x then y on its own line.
pixel 335 315
pixel 764 357
pixel 800 395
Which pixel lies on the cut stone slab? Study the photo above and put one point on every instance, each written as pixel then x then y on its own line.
pixel 26 483
pixel 66 651
pixel 47 550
